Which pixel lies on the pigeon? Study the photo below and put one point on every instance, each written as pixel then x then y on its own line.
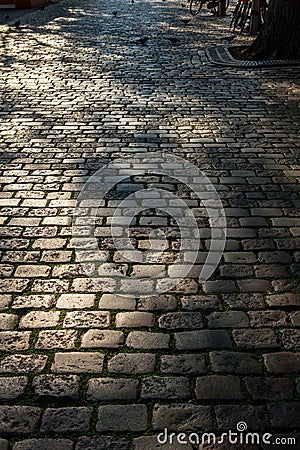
pixel 17 24
pixel 229 38
pixel 183 5
pixel 174 40
pixel 114 13
pixel 132 1
pixel 7 17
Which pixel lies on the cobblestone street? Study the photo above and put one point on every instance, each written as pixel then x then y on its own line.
pixel 82 368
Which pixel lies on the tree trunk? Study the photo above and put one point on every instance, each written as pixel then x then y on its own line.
pixel 280 35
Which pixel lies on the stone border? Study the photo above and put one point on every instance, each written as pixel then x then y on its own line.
pixel 221 55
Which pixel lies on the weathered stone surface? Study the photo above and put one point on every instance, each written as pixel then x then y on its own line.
pixel 39 319
pixel 282 362
pixel 23 363
pixel 101 443
pixel 147 442
pixel 166 388
pixel 229 415
pixel 132 363
pixel 262 388
pixel 109 389
pixel 75 301
pixel 194 340
pixel 235 363
pixel 68 419
pixel 111 418
pixel 19 420
pixel 86 319
pixel 285 415
pixel 182 417
pixel 228 319
pixel 56 387
pixel 44 444
pixel 218 387
pixel 64 339
pixel 183 364
pixel 78 362
pixel 185 320
pixel 14 340
pixel 146 340
pixel 102 339
pixel 12 387
pixel 135 319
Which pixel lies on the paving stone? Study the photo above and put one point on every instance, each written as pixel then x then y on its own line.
pixel 228 319
pixel 135 319
pixel 193 340
pixel 3 444
pixel 8 321
pixel 285 415
pixel 19 420
pixel 102 339
pixel 44 444
pixel 110 301
pixel 290 339
pixel 78 362
pixel 180 417
pixel 40 319
pixel 86 319
pixel 182 364
pixel 262 338
pixel 75 301
pixel 229 415
pixel 165 302
pixel 267 318
pixel 14 340
pixel 12 387
pixel 177 320
pixel 234 362
pixel 223 286
pixel 111 418
pixel 218 387
pixel 5 301
pixel 262 388
pixel 101 443
pixel 56 387
pixel 51 339
pixel 110 389
pixel 202 302
pixel 282 300
pixel 23 363
pixel 166 388
pixel 147 340
pixel 147 442
pixel 282 362
pixel 132 363
pixel 34 301
pixel 67 419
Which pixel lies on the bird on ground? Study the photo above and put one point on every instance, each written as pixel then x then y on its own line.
pixel 229 38
pixel 17 24
pixel 114 13
pixel 132 1
pixel 7 17
pixel 174 40
pixel 183 5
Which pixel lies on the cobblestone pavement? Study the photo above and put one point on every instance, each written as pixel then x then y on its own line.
pixel 83 369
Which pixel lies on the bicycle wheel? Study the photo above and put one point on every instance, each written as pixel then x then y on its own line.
pixel 195 6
